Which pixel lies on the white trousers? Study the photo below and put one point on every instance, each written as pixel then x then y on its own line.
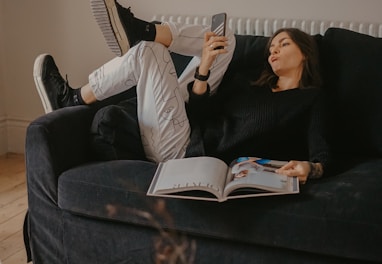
pixel 161 96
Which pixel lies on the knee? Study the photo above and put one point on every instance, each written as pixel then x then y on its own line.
pixel 148 50
pixel 143 46
pixel 150 46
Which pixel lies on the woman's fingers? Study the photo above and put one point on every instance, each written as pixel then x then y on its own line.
pixel 211 42
pixel 294 168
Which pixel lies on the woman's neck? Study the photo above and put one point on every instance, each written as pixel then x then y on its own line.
pixel 286 83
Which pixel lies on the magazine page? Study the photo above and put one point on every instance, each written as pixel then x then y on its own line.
pixel 197 173
pixel 258 174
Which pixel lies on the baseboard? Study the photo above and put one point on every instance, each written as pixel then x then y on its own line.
pixel 12 135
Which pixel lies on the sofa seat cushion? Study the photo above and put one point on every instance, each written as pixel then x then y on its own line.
pixel 338 216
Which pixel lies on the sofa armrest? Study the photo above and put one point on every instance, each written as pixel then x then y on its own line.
pixel 56 142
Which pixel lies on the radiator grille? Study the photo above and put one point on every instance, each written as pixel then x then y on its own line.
pixel 266 26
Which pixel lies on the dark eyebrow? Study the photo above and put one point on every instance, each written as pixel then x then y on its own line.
pixel 281 40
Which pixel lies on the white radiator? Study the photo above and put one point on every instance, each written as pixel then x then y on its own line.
pixel 267 26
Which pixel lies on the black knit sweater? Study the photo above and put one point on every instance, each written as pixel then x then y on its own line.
pixel 243 120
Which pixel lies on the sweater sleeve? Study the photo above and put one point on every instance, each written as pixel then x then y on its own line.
pixel 197 104
pixel 318 139
pixel 198 112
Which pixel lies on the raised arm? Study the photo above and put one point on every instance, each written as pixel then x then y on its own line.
pixel 209 54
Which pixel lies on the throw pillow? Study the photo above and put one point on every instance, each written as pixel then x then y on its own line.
pixel 115 132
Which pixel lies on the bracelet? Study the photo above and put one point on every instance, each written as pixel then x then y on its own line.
pixel 315 172
pixel 312 169
pixel 200 77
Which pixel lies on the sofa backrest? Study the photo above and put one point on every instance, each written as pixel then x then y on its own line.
pixel 352 74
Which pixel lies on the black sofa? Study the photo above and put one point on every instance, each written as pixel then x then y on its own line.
pixel 83 210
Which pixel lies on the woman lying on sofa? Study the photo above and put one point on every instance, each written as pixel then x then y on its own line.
pixel 279 116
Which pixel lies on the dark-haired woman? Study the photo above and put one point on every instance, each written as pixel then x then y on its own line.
pixel 279 116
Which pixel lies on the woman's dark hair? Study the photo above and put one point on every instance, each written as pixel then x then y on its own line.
pixel 311 72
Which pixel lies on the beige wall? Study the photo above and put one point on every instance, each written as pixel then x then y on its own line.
pixel 3 136
pixel 67 30
pixel 347 10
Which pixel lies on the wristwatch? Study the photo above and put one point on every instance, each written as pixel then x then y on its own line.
pixel 200 77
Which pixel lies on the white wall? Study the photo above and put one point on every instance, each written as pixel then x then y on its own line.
pixel 67 30
pixel 347 10
pixel 3 136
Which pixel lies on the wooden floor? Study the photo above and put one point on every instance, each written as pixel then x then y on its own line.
pixel 13 205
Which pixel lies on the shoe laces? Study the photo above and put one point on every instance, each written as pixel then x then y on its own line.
pixel 129 11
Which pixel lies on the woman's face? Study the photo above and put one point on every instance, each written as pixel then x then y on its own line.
pixel 286 58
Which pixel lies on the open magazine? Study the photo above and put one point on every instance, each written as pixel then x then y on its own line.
pixel 208 178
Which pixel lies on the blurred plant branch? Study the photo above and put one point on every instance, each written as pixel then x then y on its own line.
pixel 171 247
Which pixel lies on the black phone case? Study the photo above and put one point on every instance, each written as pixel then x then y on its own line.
pixel 219 23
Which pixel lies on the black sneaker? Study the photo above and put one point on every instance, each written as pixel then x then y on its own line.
pixel 116 24
pixel 54 90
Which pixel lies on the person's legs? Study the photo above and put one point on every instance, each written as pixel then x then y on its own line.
pixel 162 117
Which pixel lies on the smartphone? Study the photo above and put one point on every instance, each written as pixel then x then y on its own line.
pixel 218 25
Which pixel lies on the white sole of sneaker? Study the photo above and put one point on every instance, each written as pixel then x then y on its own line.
pixel 106 15
pixel 37 73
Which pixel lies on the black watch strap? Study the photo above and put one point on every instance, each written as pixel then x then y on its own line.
pixel 200 77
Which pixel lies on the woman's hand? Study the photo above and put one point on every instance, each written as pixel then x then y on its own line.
pixel 302 170
pixel 209 54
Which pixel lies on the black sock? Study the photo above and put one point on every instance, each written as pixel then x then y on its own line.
pixel 145 30
pixel 77 98
pixel 136 29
